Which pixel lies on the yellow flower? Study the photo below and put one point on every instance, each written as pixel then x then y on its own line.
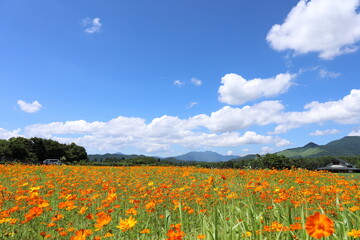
pixel 354 233
pixel 126 224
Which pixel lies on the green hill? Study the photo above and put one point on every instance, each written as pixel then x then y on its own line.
pixel 345 147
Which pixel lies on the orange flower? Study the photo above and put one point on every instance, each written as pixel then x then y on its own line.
pixel 63 233
pixel 126 224
pixel 319 225
pixel 131 211
pixel 108 234
pixel 146 230
pixel 83 210
pixel 81 234
pixel 36 211
pixel 52 224
pixel 57 217
pixel 175 232
pixel 102 220
pixel 201 236
pixel 354 233
pixel 296 226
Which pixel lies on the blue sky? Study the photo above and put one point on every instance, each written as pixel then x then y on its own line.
pixel 167 77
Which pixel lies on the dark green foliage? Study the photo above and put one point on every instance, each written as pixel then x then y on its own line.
pixel 130 161
pixel 5 151
pixel 74 152
pixel 36 150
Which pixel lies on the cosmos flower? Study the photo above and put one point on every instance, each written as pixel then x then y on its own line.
pixel 354 233
pixel 319 225
pixel 175 232
pixel 126 224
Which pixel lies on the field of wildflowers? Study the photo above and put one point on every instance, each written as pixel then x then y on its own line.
pixel 82 202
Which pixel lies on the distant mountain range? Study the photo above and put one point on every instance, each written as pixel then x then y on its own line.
pixel 347 146
pixel 206 156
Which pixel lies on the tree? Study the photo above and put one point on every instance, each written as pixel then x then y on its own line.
pixel 21 148
pixel 54 149
pixel 274 161
pixel 75 153
pixel 5 151
pixel 38 148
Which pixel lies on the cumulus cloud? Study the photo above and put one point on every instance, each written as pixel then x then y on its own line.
pixel 227 127
pixel 355 133
pixel 29 107
pixel 92 25
pixel 196 82
pixel 343 111
pixel 283 143
pixel 267 150
pixel 330 27
pixel 6 134
pixel 324 132
pixel 229 153
pixel 236 90
pixel 179 83
pixel 156 136
pixel 231 119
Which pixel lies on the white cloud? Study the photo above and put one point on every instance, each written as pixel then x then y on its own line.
pixel 283 143
pixel 267 150
pixel 355 133
pixel 236 90
pixel 6 134
pixel 93 25
pixel 327 74
pixel 192 105
pixel 29 107
pixel 156 136
pixel 330 27
pixel 231 119
pixel 324 132
pixel 179 83
pixel 246 150
pixel 229 153
pixel 218 129
pixel 343 111
pixel 196 82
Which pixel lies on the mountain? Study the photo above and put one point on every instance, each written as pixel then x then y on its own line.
pixel 103 157
pixel 206 156
pixel 346 146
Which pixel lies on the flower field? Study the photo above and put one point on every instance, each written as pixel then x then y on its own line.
pixel 82 202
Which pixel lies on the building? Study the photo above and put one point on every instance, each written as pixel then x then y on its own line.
pixel 339 165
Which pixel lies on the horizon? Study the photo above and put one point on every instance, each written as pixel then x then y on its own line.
pixel 163 78
pixel 184 153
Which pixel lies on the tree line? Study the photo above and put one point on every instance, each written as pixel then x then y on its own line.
pixel 35 150
pixel 267 161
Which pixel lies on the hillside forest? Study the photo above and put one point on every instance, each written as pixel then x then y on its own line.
pixel 35 150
